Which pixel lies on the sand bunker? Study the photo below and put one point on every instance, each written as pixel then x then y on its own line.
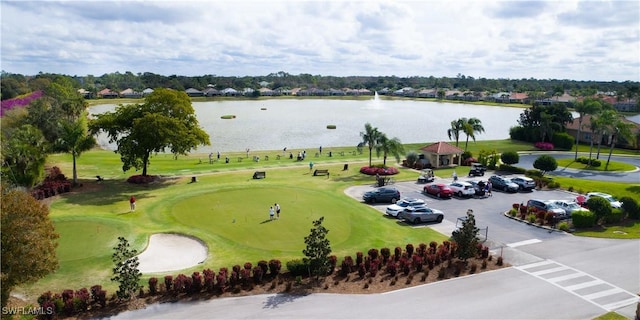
pixel 170 252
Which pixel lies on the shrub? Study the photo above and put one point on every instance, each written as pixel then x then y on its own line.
pixel 533 174
pixel 412 158
pixel 511 169
pixel 466 155
pixel 510 157
pixel 196 282
pixel 600 207
pixel 297 267
pixel 531 218
pixel 140 179
pixel 274 266
pixel 630 207
pixel 564 226
pixel 168 282
pixel 499 261
pixel 616 215
pixel 385 253
pixel 153 285
pixel 383 171
pixel 513 212
pixel 347 266
pixel 545 163
pixel 563 140
pixel 583 219
pixel 553 185
pixel 409 249
pixel 257 274
pixel 333 261
pixel 373 253
pixel 544 145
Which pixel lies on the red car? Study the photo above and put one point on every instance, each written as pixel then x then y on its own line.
pixel 439 190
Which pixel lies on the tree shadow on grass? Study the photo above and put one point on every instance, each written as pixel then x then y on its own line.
pixel 91 192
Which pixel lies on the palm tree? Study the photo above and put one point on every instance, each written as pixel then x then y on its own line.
pixel 605 123
pixel 456 127
pixel 584 108
pixel 370 137
pixel 470 128
pixel 74 139
pixel 389 146
pixel 618 129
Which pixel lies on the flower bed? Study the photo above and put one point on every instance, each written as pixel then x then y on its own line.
pixel 383 171
pixel 544 145
pixel 140 179
pixel 19 101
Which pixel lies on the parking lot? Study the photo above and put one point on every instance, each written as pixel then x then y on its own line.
pixel 488 211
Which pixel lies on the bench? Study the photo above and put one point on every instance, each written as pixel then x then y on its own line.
pixel 259 175
pixel 321 172
pixel 99 178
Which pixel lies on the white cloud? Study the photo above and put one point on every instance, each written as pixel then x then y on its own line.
pixel 518 39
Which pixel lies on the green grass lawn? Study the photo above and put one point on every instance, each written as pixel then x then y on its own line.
pixel 228 210
pixel 613 165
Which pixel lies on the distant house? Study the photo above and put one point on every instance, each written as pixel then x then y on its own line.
pixel 192 92
pixel 85 93
pixel 248 91
pixel 211 92
pixel 147 92
pixel 106 93
pixel 266 92
pixel 586 135
pixel 518 97
pixel 129 93
pixel 229 92
pixel 426 93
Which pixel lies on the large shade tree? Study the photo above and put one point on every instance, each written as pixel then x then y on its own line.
pixel 29 240
pixel 24 153
pixel 370 137
pixel 388 147
pixel 166 121
pixel 471 127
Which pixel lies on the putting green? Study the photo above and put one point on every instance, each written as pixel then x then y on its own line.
pixel 86 239
pixel 241 216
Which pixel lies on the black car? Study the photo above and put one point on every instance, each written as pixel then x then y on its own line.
pixel 384 194
pixel 477 169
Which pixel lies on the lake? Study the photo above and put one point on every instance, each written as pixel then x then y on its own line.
pixel 298 124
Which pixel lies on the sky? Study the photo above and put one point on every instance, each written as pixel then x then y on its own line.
pixel 575 40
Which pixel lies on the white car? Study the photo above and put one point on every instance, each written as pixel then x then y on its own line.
pixel 462 189
pixel 402 204
pixel 569 206
pixel 614 203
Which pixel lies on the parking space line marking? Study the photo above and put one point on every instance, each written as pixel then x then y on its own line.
pixel 618 304
pixel 536 264
pixel 566 277
pixel 542 272
pixel 523 243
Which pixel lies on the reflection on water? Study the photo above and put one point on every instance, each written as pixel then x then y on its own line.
pixel 295 124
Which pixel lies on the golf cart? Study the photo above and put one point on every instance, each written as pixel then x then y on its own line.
pixel 477 169
pixel 426 176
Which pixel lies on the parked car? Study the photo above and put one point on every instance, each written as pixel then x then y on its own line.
pixel 384 194
pixel 421 214
pixel 439 190
pixel 502 183
pixel 613 201
pixel 477 169
pixel 479 187
pixel 547 206
pixel 462 189
pixel 524 183
pixel 394 209
pixel 569 206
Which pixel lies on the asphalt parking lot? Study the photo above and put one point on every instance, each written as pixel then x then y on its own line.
pixel 488 211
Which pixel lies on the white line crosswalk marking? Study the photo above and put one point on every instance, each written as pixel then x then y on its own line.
pixel 589 289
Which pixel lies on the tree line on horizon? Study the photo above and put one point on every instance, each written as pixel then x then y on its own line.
pixel 13 85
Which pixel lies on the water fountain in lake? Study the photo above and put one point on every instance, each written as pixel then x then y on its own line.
pixel 376 103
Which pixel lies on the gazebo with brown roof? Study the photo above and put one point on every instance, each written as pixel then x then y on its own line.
pixel 442 154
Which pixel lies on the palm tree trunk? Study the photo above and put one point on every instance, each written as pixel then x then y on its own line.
pixel 590 151
pixel 466 144
pixel 370 151
pixel 599 144
pixel 578 138
pixel 606 166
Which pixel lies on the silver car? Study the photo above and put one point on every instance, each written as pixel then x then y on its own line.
pixel 394 209
pixel 420 214
pixel 569 206
pixel 524 183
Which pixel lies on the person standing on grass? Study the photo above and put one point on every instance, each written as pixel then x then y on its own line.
pixel 132 203
pixel 271 213
pixel 277 211
pixel 310 165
